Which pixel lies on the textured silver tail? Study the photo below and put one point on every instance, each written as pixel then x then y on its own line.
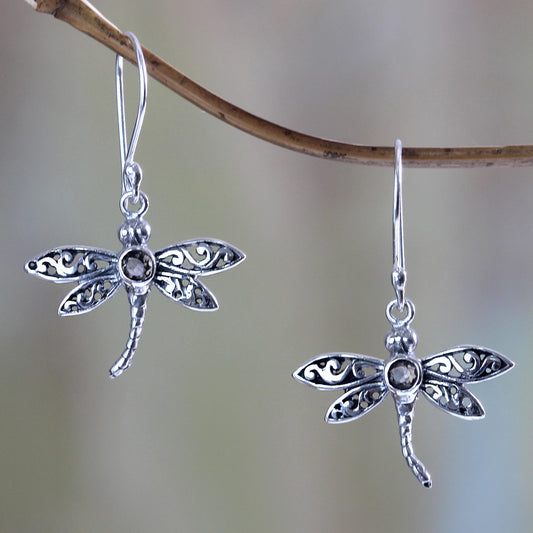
pixel 406 412
pixel 137 313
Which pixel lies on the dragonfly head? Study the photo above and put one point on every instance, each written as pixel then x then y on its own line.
pixel 401 340
pixel 134 232
pixel 403 370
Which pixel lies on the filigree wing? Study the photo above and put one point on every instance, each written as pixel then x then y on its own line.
pixel 357 402
pixel 72 263
pixel 339 370
pixel 200 257
pixel 466 364
pixel 89 295
pixel 187 291
pixel 453 398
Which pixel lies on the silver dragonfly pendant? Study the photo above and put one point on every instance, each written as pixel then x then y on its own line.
pixel 366 382
pixel 100 273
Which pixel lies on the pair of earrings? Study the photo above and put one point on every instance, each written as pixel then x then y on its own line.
pixel 174 270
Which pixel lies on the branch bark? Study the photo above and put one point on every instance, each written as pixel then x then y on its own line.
pixel 84 17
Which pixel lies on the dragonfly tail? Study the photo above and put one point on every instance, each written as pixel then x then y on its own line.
pixel 137 313
pixel 406 413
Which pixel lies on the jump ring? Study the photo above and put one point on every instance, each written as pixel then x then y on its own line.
pixel 143 207
pixel 399 321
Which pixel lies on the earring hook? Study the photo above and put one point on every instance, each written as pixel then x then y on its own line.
pixel 131 171
pixel 399 274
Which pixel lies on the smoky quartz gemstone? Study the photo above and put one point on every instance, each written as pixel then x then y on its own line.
pixel 403 374
pixel 137 265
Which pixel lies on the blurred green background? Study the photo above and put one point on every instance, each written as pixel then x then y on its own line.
pixel 208 432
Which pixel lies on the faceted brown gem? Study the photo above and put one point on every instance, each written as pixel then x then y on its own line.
pixel 403 374
pixel 137 265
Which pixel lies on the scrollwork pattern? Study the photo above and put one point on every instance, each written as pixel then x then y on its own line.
pixel 205 256
pixel 332 372
pixel 89 295
pixel 356 402
pixel 72 263
pixel 339 371
pixel 187 291
pixel 467 364
pixel 453 398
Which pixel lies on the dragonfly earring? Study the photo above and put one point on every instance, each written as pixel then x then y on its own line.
pixel 100 273
pixel 366 381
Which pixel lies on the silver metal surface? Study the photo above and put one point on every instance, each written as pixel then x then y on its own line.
pixel 137 312
pixel 128 152
pixel 406 413
pixel 366 381
pixel 399 274
pixel 366 384
pixel 99 275
pixel 174 270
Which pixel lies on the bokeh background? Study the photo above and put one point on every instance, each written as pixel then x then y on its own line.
pixel 208 432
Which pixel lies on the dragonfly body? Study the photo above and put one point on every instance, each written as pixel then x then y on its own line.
pixel 366 382
pixel 137 312
pixel 406 413
pixel 100 273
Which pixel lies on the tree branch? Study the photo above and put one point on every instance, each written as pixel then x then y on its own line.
pixel 84 17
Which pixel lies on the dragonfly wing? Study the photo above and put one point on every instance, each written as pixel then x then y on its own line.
pixel 200 257
pixel 187 291
pixel 453 398
pixel 89 295
pixel 357 402
pixel 338 370
pixel 466 364
pixel 72 263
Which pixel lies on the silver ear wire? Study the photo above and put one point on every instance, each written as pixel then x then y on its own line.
pixel 131 172
pixel 399 274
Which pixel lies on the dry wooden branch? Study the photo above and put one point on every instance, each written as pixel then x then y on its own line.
pixel 84 17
